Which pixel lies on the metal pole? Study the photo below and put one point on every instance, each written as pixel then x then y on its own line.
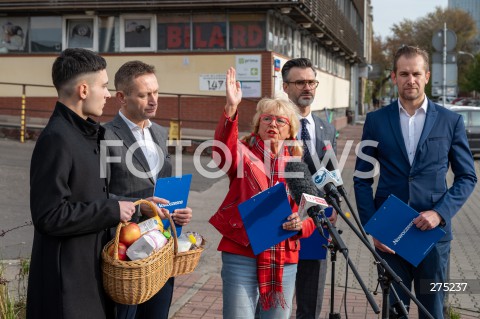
pixel 444 62
pixel 22 117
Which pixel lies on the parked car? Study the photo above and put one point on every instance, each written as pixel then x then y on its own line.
pixel 448 100
pixel 471 119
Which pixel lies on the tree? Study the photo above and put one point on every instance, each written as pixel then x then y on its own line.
pixel 472 76
pixel 419 33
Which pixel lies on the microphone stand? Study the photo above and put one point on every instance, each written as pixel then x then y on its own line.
pixel 391 275
pixel 338 245
pixel 384 279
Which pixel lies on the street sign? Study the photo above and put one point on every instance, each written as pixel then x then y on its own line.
pixel 437 40
pixel 437 57
pixel 437 74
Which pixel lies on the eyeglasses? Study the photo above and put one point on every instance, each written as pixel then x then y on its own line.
pixel 280 120
pixel 300 84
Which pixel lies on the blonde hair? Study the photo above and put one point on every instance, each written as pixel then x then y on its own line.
pixel 278 106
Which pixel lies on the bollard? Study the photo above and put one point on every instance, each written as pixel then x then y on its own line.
pixel 22 118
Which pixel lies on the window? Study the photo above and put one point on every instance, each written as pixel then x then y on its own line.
pixel 209 32
pixel 247 31
pixel 108 34
pixel 80 32
pixel 46 34
pixel 14 35
pixel 475 118
pixel 138 33
pixel 173 32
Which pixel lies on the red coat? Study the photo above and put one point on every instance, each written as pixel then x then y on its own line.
pixel 227 219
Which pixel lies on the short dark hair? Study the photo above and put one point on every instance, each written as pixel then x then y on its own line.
pixel 74 62
pixel 130 71
pixel 410 52
pixel 296 63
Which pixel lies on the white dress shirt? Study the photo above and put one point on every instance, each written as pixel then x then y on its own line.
pixel 412 127
pixel 146 143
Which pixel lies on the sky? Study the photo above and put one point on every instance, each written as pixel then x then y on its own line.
pixel 388 12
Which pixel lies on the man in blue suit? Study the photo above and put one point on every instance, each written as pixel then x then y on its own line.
pixel 415 141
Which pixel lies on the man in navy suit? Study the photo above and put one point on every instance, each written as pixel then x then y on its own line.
pixel 300 84
pixel 415 141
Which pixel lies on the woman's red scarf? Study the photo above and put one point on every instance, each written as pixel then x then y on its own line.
pixel 270 262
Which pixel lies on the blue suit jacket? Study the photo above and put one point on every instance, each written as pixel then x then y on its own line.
pixel 422 185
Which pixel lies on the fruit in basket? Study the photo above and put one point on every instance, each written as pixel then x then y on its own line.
pixel 122 251
pixel 129 233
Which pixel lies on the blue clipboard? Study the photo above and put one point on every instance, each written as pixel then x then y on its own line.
pixel 176 190
pixel 263 216
pixel 392 224
pixel 312 247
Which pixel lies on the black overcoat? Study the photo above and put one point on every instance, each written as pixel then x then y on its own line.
pixel 70 213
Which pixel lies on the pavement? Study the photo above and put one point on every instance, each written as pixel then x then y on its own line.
pixel 199 294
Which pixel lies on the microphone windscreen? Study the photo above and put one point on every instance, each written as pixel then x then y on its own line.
pixel 299 180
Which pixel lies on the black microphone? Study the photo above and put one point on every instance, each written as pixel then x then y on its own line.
pixel 298 177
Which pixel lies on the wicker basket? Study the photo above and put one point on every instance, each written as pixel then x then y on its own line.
pixel 134 282
pixel 185 262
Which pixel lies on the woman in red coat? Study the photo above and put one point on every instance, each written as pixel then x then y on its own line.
pixel 270 276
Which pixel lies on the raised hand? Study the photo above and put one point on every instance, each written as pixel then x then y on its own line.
pixel 233 91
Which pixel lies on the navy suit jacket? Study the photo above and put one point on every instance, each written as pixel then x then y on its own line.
pixel 422 185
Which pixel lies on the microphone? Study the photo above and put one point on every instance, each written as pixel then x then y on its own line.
pixel 339 182
pixel 325 182
pixel 335 174
pixel 308 201
pixel 301 183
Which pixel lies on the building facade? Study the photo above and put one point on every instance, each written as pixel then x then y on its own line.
pixel 191 44
pixel 472 7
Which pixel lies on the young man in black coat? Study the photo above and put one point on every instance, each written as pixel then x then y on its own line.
pixel 69 204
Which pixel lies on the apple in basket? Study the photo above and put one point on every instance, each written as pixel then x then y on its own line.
pixel 129 233
pixel 122 251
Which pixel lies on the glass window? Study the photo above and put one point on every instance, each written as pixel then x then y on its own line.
pixel 80 32
pixel 247 31
pixel 138 33
pixel 14 34
pixel 271 30
pixel 45 34
pixel 289 36
pixel 323 58
pixel 209 32
pixel 475 118
pixel 297 44
pixel 108 34
pixel 174 32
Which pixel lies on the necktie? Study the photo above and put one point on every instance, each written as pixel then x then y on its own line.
pixel 305 137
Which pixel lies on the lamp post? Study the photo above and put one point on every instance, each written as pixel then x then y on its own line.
pixel 468 53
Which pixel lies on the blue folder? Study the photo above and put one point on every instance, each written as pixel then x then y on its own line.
pixel 176 190
pixel 392 224
pixel 312 248
pixel 263 216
